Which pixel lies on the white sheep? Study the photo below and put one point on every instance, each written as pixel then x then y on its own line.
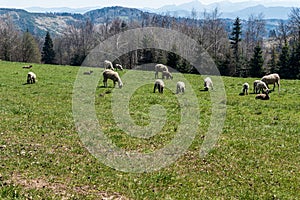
pixel 108 65
pixel 160 68
pixel 254 85
pixel 118 66
pixel 167 75
pixel 208 83
pixel 263 96
pixel 31 78
pixel 261 87
pixel 114 76
pixel 159 84
pixel 245 88
pixel 272 79
pixel 88 73
pixel 180 87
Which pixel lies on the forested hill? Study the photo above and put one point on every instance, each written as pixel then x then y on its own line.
pixel 106 15
pixel 56 23
pixel 39 23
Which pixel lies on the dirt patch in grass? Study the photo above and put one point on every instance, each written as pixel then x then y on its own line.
pixel 62 189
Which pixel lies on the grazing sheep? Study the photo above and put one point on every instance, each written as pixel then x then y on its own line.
pixel 180 87
pixel 272 79
pixel 114 76
pixel 208 84
pixel 159 84
pixel 263 96
pixel 27 67
pixel 160 68
pixel 245 88
pixel 31 78
pixel 254 86
pixel 118 66
pixel 167 75
pixel 88 73
pixel 108 65
pixel 261 87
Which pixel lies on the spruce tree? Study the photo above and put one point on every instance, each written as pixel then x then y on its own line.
pixel 284 62
pixel 295 63
pixel 173 58
pixel 48 54
pixel 273 62
pixel 256 63
pixel 235 40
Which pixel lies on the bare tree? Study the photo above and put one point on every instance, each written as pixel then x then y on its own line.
pixel 214 34
pixel 283 31
pixel 79 41
pixel 9 40
pixel 30 50
pixel 254 33
pixel 294 22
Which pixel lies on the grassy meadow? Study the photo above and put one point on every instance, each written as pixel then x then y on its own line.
pixel 257 155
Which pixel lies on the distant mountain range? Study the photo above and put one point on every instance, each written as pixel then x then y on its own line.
pixel 56 23
pixel 270 9
pixel 227 9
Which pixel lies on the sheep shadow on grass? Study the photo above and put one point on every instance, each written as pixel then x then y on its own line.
pixel 204 90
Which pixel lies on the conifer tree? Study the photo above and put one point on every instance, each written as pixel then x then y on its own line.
pixel 48 54
pixel 295 63
pixel 273 62
pixel 235 40
pixel 284 62
pixel 256 63
pixel 173 58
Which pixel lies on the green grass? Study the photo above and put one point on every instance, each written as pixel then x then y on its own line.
pixel 42 157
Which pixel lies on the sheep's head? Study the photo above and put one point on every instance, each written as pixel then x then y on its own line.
pixel 120 84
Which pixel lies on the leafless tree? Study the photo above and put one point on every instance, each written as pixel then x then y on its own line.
pixel 213 35
pixel 76 43
pixel 9 40
pixel 254 33
pixel 294 22
pixel 283 31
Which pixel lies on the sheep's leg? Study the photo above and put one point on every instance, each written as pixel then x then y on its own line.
pixel 155 85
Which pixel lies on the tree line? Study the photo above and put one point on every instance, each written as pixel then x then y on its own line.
pixel 238 50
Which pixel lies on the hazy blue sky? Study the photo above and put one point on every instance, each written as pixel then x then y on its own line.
pixel 103 3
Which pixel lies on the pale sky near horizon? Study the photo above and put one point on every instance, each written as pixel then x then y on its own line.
pixel 104 3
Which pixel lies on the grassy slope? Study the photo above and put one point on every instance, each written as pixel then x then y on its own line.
pixel 257 155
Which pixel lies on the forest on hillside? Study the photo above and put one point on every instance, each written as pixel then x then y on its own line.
pixel 240 50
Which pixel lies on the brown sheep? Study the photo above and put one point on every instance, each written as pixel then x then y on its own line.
pixel 114 76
